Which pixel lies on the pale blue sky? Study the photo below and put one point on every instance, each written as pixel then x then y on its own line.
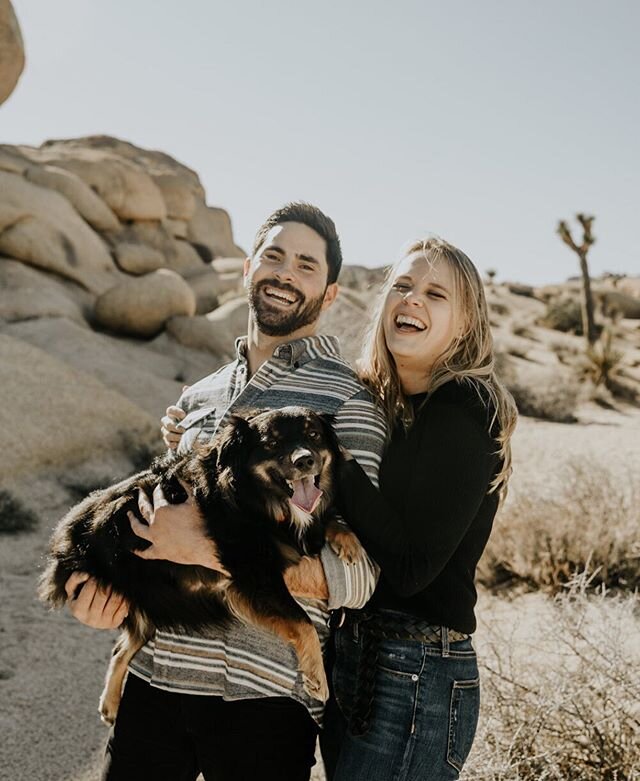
pixel 483 121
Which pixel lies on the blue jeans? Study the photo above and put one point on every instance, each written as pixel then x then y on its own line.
pixel 425 710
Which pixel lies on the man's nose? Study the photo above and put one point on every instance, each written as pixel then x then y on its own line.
pixel 284 272
pixel 302 458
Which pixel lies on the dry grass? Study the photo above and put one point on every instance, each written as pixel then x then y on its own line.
pixel 591 522
pixel 564 702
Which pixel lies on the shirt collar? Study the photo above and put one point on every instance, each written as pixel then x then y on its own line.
pixel 297 351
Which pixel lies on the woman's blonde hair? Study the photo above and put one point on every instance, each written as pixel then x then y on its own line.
pixel 469 358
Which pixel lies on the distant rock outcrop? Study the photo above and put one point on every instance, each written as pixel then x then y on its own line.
pixel 11 50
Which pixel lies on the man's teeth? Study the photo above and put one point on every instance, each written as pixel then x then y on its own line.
pixel 406 320
pixel 281 295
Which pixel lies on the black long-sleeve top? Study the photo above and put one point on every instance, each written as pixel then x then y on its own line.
pixel 429 523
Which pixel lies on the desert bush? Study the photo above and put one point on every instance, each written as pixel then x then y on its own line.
pixel 498 308
pixel 591 521
pixel 14 515
pixel 521 290
pixel 565 704
pixel 523 330
pixel 549 397
pixel 563 314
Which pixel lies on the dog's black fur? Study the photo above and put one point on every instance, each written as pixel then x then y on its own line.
pixel 240 485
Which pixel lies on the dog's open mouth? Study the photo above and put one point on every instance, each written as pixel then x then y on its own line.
pixel 305 494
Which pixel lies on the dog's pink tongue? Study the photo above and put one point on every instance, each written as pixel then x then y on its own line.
pixel 305 494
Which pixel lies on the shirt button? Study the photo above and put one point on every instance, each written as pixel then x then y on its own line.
pixel 414 677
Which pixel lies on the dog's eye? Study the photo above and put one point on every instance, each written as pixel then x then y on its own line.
pixel 270 444
pixel 314 435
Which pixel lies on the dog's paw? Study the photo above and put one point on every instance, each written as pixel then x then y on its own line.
pixel 316 686
pixel 345 545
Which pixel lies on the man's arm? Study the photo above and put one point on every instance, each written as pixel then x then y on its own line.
pixel 361 428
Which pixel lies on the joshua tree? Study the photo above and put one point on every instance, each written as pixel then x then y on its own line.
pixel 581 250
pixel 491 275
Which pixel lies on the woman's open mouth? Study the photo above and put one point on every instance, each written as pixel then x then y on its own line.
pixel 408 325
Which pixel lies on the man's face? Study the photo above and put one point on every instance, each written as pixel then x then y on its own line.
pixel 287 280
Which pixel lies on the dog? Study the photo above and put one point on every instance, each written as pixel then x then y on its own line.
pixel 265 487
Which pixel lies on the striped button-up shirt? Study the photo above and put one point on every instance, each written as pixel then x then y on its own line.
pixel 242 661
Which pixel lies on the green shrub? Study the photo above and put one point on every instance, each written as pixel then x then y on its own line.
pixel 563 314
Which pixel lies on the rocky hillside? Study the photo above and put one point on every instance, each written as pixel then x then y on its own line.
pixel 119 284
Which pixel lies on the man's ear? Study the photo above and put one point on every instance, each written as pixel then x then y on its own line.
pixel 245 271
pixel 330 295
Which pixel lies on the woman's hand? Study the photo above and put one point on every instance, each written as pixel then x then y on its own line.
pixel 176 531
pixel 171 429
pixel 92 605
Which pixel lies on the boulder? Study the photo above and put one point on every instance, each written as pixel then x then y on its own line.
pixel 619 302
pixel 347 319
pixel 362 278
pixel 11 50
pixel 52 415
pixel 12 161
pixel 84 200
pixel 216 331
pixel 40 227
pixel 155 163
pixel 141 306
pixel 146 378
pixel 176 228
pixel 137 258
pixel 26 293
pixel 211 227
pixel 124 186
pixel 179 255
pixel 178 196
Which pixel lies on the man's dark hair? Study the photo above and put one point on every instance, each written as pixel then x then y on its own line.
pixel 313 218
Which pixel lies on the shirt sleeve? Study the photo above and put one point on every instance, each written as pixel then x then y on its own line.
pixel 448 480
pixel 361 429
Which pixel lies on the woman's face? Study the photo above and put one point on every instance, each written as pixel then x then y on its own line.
pixel 419 316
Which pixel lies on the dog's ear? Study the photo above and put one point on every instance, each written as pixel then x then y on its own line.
pixel 234 442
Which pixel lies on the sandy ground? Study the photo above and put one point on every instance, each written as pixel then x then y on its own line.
pixel 51 667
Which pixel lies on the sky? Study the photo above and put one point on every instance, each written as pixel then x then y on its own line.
pixel 483 122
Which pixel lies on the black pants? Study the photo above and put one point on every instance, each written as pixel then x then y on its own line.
pixel 173 737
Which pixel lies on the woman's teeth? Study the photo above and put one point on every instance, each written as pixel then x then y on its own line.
pixel 406 323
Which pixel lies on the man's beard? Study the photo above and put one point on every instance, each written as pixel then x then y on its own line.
pixel 276 322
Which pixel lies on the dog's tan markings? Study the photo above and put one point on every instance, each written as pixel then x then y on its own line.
pixel 127 646
pixel 298 633
pixel 343 542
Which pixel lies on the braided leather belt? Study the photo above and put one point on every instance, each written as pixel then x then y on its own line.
pixel 374 628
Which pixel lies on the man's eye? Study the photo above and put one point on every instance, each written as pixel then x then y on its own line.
pixel 306 267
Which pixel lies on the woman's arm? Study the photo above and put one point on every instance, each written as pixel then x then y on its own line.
pixel 447 481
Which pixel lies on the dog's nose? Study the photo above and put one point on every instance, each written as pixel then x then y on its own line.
pixel 302 458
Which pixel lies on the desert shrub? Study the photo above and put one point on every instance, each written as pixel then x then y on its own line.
pixel 521 290
pixel 591 521
pixel 548 397
pixel 564 705
pixel 14 515
pixel 498 308
pixel 563 314
pixel 523 330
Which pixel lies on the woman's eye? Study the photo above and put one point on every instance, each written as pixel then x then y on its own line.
pixel 400 286
pixel 433 294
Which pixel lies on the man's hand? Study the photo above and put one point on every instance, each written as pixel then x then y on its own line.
pixel 93 605
pixel 171 430
pixel 307 579
pixel 176 531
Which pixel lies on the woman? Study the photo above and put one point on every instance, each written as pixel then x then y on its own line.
pixel 406 676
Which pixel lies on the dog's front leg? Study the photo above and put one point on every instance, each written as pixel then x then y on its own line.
pixel 128 644
pixel 298 631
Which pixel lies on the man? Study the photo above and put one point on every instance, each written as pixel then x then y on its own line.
pixel 231 703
